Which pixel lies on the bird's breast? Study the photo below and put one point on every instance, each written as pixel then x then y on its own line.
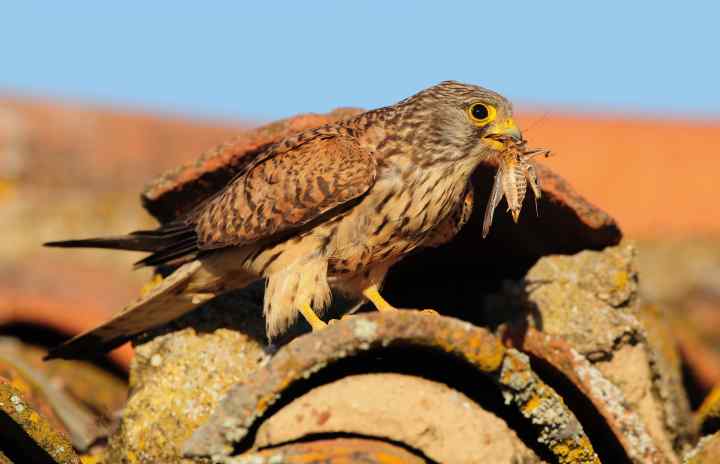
pixel 396 216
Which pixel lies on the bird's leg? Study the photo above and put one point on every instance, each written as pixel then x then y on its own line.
pixel 373 294
pixel 315 322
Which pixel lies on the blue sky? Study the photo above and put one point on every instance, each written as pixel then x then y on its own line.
pixel 271 59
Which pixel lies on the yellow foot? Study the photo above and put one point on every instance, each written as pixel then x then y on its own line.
pixel 315 322
pixel 372 294
pixel 150 284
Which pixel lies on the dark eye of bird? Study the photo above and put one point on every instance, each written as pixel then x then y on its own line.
pixel 479 111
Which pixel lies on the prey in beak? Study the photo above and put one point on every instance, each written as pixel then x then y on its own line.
pixel 501 134
pixel 515 171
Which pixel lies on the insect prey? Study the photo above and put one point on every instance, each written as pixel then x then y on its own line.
pixel 515 172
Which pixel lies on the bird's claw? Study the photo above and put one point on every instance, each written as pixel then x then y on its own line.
pixel 342 318
pixel 428 311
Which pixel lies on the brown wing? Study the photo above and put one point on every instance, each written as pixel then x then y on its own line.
pixel 291 185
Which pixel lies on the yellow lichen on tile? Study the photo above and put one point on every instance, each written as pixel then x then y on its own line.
pixel 91 459
pixel 575 451
pixel 531 405
pixel 621 279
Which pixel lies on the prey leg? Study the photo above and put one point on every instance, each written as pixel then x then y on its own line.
pixel 315 322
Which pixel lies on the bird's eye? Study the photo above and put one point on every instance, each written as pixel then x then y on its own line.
pixel 481 114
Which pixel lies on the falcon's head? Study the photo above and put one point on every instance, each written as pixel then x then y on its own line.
pixel 462 120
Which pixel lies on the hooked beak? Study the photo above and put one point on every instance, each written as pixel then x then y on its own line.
pixel 515 215
pixel 503 130
pixel 506 128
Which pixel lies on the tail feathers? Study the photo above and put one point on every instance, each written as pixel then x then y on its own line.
pixel 120 242
pixel 171 244
pixel 167 235
pixel 164 303
pixel 182 249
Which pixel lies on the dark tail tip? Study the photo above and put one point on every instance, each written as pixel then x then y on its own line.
pixel 122 242
pixel 85 243
pixel 85 346
pixel 60 244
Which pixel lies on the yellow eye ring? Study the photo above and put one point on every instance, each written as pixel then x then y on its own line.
pixel 481 114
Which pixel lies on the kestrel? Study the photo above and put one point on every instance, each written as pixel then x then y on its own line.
pixel 330 207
